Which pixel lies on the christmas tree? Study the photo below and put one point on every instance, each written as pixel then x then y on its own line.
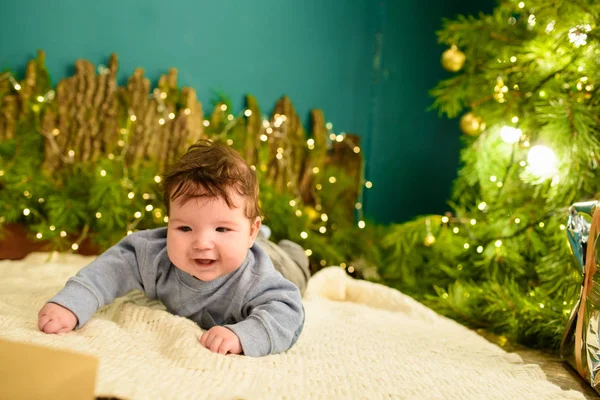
pixel 525 85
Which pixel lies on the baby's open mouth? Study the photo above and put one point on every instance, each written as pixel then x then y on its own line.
pixel 204 262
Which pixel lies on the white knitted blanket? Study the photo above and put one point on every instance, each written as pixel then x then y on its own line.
pixel 360 340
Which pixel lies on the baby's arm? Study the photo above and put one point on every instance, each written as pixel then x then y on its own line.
pixel 114 273
pixel 275 318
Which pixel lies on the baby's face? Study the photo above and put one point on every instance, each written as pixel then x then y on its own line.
pixel 207 239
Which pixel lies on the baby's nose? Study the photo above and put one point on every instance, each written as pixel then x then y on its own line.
pixel 203 241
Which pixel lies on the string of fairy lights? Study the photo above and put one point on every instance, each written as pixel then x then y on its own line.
pixel 541 163
pixel 277 129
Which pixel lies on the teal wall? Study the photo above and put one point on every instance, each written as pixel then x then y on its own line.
pixel 320 53
pixel 413 156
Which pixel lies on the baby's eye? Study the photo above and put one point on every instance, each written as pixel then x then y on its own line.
pixel 184 228
pixel 222 230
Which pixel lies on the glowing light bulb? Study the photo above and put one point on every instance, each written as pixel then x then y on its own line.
pixel 542 161
pixel 510 135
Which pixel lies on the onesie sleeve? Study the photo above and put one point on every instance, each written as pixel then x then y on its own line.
pixel 274 317
pixel 112 274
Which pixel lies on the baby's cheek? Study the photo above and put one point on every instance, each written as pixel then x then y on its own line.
pixel 174 249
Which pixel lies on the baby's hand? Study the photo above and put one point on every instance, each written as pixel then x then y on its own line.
pixel 219 339
pixel 53 318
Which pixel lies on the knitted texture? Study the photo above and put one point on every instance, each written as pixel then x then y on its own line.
pixel 360 340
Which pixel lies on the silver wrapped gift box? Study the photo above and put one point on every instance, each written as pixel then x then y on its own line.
pixel 580 345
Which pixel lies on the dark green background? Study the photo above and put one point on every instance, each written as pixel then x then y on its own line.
pixel 367 64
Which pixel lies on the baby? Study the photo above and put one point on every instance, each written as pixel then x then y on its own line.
pixel 205 265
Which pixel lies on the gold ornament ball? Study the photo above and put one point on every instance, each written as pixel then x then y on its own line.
pixel 429 240
pixel 471 124
pixel 453 59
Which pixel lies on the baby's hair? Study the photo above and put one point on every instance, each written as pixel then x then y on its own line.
pixel 212 169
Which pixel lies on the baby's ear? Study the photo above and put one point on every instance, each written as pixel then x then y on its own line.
pixel 254 227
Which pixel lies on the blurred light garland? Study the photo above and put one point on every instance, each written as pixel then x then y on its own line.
pixel 276 128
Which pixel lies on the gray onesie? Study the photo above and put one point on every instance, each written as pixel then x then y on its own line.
pixel 255 301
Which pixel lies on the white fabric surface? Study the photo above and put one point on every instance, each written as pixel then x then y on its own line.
pixel 360 340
